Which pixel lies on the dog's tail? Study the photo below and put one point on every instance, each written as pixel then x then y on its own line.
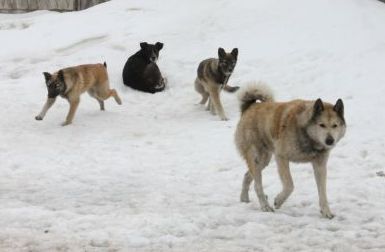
pixel 230 89
pixel 254 92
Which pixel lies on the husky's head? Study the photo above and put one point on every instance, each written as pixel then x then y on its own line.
pixel 151 52
pixel 55 83
pixel 327 124
pixel 227 61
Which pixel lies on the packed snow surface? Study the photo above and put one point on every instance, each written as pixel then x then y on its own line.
pixel 159 173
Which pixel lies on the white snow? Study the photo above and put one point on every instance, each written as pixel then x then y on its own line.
pixel 159 173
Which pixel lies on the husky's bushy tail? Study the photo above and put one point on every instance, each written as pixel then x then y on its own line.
pixel 253 92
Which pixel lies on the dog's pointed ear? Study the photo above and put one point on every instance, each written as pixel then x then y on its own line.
pixel 234 52
pixel 47 76
pixel 158 46
pixel 339 108
pixel 60 75
pixel 143 45
pixel 221 52
pixel 318 107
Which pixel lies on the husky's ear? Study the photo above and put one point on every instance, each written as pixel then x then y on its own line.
pixel 318 107
pixel 339 108
pixel 143 45
pixel 234 52
pixel 158 46
pixel 221 52
pixel 47 76
pixel 60 75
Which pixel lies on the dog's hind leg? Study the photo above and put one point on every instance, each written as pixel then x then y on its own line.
pixel 47 105
pixel 200 89
pixel 256 162
pixel 287 182
pixel 205 97
pixel 116 96
pixel 105 93
pixel 320 173
pixel 92 93
pixel 247 179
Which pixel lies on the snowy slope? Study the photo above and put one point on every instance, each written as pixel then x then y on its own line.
pixel 161 174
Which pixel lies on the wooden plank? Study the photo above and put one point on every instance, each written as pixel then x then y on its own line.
pixel 60 5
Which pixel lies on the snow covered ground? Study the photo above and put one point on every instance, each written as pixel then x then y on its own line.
pixel 161 174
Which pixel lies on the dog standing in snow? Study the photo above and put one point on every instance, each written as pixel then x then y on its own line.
pixel 213 75
pixel 295 131
pixel 71 82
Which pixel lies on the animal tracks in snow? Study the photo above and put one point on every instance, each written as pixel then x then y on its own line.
pixel 84 43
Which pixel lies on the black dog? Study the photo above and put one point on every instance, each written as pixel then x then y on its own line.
pixel 141 72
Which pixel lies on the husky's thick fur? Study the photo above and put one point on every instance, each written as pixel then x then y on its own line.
pixel 295 131
pixel 141 71
pixel 213 75
pixel 71 82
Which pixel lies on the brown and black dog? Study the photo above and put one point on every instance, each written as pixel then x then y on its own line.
pixel 71 82
pixel 212 76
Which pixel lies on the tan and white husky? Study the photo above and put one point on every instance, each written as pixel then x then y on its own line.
pixel 294 131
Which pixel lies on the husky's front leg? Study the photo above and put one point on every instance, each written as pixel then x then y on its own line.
pixel 74 103
pixel 320 173
pixel 47 105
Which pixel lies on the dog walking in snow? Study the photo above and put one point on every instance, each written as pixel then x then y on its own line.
pixel 295 131
pixel 213 75
pixel 71 82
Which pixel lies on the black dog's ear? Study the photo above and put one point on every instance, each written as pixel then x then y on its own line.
pixel 234 52
pixel 221 52
pixel 143 45
pixel 60 75
pixel 339 108
pixel 159 46
pixel 47 76
pixel 318 107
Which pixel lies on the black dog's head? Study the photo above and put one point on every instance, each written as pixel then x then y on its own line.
pixel 55 83
pixel 227 61
pixel 151 52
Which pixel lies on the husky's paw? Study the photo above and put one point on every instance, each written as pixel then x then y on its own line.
pixel 39 118
pixel 65 123
pixel 267 208
pixel 278 201
pixel 245 198
pixel 224 118
pixel 327 214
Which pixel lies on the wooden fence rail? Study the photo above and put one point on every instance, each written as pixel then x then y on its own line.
pixel 57 5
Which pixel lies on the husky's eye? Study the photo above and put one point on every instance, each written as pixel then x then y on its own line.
pixel 322 125
pixel 334 126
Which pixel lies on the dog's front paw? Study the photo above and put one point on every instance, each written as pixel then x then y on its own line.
pixel 245 198
pixel 267 208
pixel 39 118
pixel 327 214
pixel 278 201
pixel 224 118
pixel 65 123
